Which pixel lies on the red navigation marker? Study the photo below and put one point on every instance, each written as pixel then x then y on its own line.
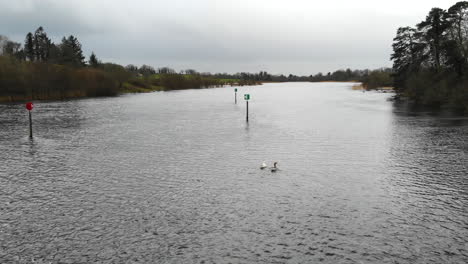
pixel 29 106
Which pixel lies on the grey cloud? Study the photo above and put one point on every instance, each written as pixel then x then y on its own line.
pixel 298 37
pixel 58 20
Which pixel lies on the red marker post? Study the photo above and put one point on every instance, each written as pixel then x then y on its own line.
pixel 247 98
pixel 30 107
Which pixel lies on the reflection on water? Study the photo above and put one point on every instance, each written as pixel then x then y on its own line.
pixel 174 177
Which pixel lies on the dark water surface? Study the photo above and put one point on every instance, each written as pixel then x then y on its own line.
pixel 173 177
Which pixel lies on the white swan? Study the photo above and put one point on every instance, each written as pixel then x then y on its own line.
pixel 263 166
pixel 274 168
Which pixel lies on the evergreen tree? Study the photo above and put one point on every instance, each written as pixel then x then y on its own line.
pixel 71 53
pixel 41 45
pixel 29 47
pixel 93 61
pixel 77 52
pixel 433 30
pixel 407 54
pixel 456 46
pixel 66 52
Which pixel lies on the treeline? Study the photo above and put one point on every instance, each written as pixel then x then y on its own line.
pixel 371 78
pixel 41 69
pixel 38 47
pixel 431 59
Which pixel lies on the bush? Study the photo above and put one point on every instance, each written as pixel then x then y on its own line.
pixel 377 79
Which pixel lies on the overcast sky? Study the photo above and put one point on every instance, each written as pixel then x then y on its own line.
pixel 279 36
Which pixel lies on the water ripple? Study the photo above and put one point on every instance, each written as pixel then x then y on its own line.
pixel 173 177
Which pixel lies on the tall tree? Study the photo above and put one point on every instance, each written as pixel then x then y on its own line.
pixel 404 49
pixel 77 51
pixel 406 53
pixel 93 61
pixel 29 47
pixel 457 45
pixel 433 31
pixel 71 53
pixel 41 44
pixel 66 52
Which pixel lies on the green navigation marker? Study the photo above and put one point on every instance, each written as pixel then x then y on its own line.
pixel 247 98
pixel 235 95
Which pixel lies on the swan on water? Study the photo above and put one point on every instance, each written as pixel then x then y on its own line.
pixel 263 166
pixel 274 168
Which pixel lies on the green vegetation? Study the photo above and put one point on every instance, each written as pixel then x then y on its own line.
pixel 20 80
pixel 381 78
pixel 43 70
pixel 431 60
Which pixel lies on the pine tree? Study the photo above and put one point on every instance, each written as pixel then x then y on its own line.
pixel 29 47
pixel 404 48
pixel 37 44
pixel 78 58
pixel 93 61
pixel 41 44
pixel 433 31
pixel 456 46
pixel 66 53
pixel 407 54
pixel 71 52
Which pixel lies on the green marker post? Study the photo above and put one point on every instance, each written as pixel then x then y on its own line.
pixel 235 95
pixel 247 98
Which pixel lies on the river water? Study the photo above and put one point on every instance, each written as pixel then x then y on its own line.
pixel 173 177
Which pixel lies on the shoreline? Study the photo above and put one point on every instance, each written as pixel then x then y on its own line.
pixel 360 87
pixel 128 89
